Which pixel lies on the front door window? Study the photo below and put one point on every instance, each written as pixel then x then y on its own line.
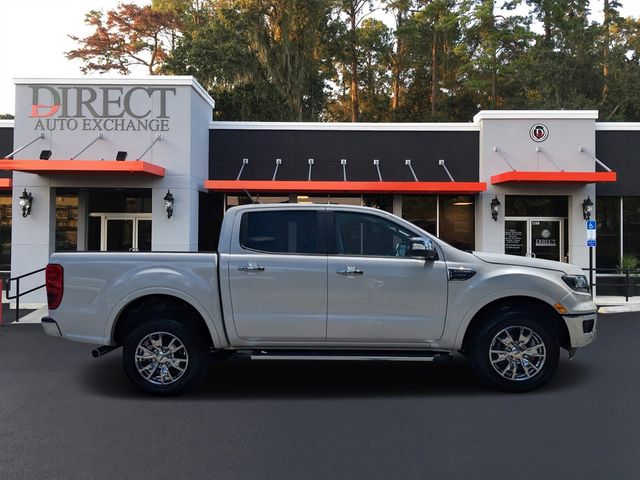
pixel 536 237
pixel 124 232
pixel 545 239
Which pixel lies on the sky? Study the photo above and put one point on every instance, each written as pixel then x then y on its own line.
pixel 34 37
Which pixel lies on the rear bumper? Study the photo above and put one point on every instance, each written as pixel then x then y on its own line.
pixel 50 327
pixel 582 328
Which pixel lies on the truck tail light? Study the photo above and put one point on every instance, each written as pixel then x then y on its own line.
pixel 54 275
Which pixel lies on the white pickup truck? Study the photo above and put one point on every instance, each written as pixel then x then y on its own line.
pixel 321 282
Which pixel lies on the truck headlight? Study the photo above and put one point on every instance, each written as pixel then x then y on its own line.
pixel 579 283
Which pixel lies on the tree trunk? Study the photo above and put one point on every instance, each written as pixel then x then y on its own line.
pixel 434 72
pixel 607 41
pixel 355 106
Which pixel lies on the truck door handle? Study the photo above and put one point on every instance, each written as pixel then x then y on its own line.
pixel 252 267
pixel 350 271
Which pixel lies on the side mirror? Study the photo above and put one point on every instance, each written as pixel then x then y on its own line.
pixel 424 249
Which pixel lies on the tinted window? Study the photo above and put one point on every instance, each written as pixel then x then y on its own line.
pixel 361 234
pixel 280 231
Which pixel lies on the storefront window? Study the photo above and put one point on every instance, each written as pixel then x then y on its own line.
pixel 381 202
pixel 421 210
pixel 330 199
pixel 457 221
pixel 66 223
pixel 333 199
pixel 631 226
pixel 608 217
pixel 243 199
pixel 5 232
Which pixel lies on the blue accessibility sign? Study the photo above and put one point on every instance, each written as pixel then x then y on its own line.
pixel 591 224
pixel 591 243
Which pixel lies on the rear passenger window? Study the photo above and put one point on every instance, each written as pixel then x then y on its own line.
pixel 280 231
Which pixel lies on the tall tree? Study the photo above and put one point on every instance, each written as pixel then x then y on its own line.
pixel 402 11
pixel 129 35
pixel 285 35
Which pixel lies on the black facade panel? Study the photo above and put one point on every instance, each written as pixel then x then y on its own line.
pixel 227 148
pixel 620 151
pixel 6 147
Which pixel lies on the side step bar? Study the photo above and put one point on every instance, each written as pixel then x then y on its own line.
pixel 348 355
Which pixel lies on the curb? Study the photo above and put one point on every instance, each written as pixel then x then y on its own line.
pixel 619 309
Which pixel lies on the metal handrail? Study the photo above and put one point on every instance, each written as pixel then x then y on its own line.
pixel 629 276
pixel 18 292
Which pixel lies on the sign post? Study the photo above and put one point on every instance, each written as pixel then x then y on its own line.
pixel 591 242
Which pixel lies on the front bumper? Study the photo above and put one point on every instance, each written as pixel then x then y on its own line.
pixel 582 328
pixel 50 327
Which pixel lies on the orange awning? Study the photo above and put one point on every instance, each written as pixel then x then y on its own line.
pixel 5 183
pixel 314 186
pixel 80 167
pixel 553 177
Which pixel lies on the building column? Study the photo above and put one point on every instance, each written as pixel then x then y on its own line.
pixel 180 232
pixel 32 240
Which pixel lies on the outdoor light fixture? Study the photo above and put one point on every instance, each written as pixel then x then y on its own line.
pixel 168 204
pixel 495 208
pixel 26 199
pixel 121 156
pixel 587 207
pixel 45 154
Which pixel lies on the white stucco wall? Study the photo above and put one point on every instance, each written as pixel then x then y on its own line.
pixel 177 105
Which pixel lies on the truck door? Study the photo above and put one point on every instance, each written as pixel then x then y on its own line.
pixel 278 276
pixel 375 293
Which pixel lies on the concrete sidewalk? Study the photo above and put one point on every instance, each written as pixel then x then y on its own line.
pixel 612 304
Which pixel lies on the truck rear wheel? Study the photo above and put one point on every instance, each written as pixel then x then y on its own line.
pixel 164 357
pixel 515 352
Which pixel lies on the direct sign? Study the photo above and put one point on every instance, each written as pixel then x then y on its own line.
pixel 98 108
pixel 591 243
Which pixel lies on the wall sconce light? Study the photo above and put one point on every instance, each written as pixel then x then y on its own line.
pixel 587 208
pixel 495 208
pixel 26 199
pixel 168 204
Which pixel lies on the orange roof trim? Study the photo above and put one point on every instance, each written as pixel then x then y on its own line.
pixel 6 183
pixel 79 167
pixel 554 177
pixel 313 186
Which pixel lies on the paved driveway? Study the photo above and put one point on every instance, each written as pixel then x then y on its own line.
pixel 64 415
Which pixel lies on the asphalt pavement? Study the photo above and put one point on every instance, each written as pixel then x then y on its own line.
pixel 65 415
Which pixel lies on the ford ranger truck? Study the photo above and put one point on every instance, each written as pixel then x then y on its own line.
pixel 321 282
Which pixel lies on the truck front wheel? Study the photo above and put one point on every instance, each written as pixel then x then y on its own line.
pixel 164 357
pixel 515 352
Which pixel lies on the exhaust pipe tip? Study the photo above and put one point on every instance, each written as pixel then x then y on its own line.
pixel 103 350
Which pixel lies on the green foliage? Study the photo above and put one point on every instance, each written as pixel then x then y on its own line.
pixel 336 60
pixel 629 262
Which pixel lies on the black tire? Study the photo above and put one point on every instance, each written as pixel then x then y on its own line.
pixel 521 367
pixel 165 373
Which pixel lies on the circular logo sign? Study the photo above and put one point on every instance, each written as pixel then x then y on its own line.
pixel 539 132
pixel 545 233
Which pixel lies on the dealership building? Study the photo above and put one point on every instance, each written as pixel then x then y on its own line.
pixel 138 164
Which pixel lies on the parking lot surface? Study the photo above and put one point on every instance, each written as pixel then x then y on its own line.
pixel 66 415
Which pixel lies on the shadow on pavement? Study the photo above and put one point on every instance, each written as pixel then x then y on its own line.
pixel 242 379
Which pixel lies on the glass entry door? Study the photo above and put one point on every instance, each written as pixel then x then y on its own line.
pixel 536 237
pixel 125 232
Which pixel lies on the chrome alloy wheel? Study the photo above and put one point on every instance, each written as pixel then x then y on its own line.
pixel 517 353
pixel 161 358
